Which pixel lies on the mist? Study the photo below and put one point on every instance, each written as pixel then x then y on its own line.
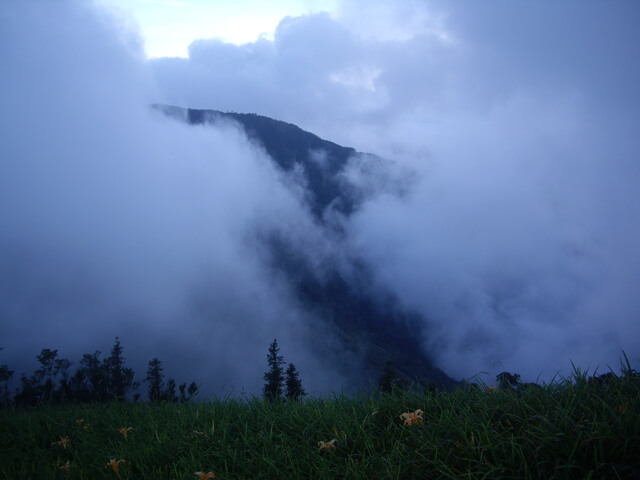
pixel 507 221
pixel 516 242
pixel 118 221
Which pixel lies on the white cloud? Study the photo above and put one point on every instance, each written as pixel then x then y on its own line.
pixel 517 243
pixel 521 121
pixel 119 221
pixel 169 26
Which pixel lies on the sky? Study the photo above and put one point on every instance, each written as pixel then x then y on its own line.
pixel 169 26
pixel 517 242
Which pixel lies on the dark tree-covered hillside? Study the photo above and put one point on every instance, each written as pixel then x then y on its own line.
pixel 369 324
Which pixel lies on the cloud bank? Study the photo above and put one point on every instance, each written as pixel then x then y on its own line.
pixel 518 245
pixel 516 241
pixel 119 221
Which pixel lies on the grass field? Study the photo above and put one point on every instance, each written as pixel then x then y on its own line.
pixel 569 429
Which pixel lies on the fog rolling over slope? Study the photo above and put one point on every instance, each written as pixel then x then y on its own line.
pixel 332 182
pixel 491 227
pixel 121 221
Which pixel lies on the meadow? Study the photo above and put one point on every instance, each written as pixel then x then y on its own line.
pixel 578 428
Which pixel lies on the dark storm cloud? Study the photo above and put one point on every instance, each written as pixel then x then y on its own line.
pixel 119 221
pixel 518 242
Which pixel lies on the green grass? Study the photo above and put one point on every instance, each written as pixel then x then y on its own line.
pixel 564 430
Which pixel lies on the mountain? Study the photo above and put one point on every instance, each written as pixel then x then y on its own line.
pixel 289 147
pixel 369 324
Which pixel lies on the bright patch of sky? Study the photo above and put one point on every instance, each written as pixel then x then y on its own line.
pixel 169 26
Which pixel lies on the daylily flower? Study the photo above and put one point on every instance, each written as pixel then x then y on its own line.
pixel 80 421
pixel 63 442
pixel 115 464
pixel 412 418
pixel 622 408
pixel 125 430
pixel 66 466
pixel 204 476
pixel 327 446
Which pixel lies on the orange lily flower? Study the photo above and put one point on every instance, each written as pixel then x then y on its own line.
pixel 412 418
pixel 125 430
pixel 327 446
pixel 204 476
pixel 63 442
pixel 115 464
pixel 66 466
pixel 622 408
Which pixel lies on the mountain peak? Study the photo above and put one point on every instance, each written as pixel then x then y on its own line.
pixel 370 325
pixel 289 147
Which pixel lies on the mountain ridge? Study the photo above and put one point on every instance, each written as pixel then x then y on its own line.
pixel 368 323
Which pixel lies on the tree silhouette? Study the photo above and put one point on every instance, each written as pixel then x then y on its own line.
pixel 64 390
pixel 294 385
pixel 120 377
pixel 94 380
pixel 41 386
pixel 274 377
pixel 5 377
pixel 508 380
pixel 157 390
pixel 155 378
pixel 47 372
pixel 90 381
pixel 170 392
pixel 390 380
pixel 187 393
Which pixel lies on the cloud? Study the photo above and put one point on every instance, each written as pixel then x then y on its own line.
pixel 248 78
pixel 120 221
pixel 514 239
pixel 518 235
pixel 517 243
pixel 507 246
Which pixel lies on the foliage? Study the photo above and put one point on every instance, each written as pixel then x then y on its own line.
pixel 508 380
pixel 389 379
pixel 274 377
pixel 571 429
pixel 41 386
pixel 89 383
pixel 155 381
pixel 94 380
pixel 293 383
pixel 120 377
pixel 159 392
pixel 5 378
